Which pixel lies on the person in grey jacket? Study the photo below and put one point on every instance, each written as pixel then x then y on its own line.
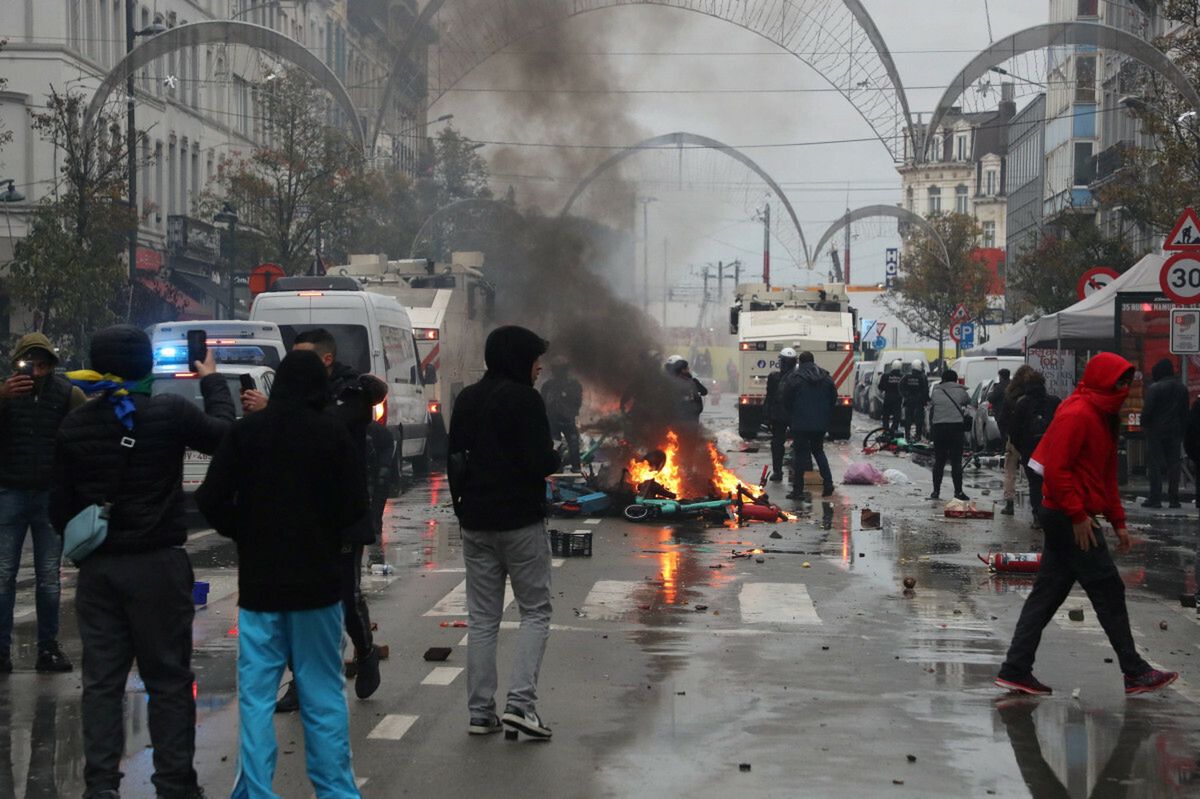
pixel 948 409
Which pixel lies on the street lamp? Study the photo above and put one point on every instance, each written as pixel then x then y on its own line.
pixel 228 216
pixel 131 130
pixel 10 195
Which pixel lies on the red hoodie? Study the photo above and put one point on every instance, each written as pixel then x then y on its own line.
pixel 1078 455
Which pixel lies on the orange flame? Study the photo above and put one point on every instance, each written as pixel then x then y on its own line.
pixel 675 478
pixel 725 481
pixel 669 476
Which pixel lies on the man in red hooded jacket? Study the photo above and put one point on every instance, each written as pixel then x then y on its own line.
pixel 1078 460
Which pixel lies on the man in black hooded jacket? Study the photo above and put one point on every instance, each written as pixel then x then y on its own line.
pixel 133 598
pixel 500 453
pixel 1164 418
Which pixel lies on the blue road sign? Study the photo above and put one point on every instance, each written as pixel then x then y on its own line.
pixel 968 335
pixel 880 343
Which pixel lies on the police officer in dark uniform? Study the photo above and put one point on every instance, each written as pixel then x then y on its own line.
pixel 777 411
pixel 889 385
pixel 563 396
pixel 914 390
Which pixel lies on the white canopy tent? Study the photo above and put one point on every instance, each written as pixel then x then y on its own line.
pixel 1090 321
pixel 1011 339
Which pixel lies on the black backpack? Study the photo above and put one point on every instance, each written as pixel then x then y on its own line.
pixel 1039 422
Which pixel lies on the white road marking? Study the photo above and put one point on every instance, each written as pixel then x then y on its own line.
pixel 455 602
pixel 392 727
pixel 777 603
pixel 441 675
pixel 467 637
pixel 449 570
pixel 592 521
pixel 201 534
pixel 556 562
pixel 611 599
pixel 359 781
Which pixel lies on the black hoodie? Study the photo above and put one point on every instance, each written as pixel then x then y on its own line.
pixel 284 485
pixel 500 448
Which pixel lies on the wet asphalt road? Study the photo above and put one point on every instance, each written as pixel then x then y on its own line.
pixel 824 679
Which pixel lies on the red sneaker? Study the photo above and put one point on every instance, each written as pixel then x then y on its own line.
pixel 1148 681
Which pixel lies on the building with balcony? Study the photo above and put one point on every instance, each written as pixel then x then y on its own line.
pixel 197 106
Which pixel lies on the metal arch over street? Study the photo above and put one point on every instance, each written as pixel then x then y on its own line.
pixel 688 140
pixel 838 40
pixel 224 32
pixel 1058 34
pixel 459 206
pixel 870 211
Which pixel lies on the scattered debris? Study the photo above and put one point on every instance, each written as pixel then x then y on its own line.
pixel 702 607
pixel 774 534
pixel 743 766
pixel 760 560
pixel 457 623
pixel 1187 600
pixel 958 509
pixel 1075 614
pixel 862 474
pixel 806 565
pixel 910 582
pixel 1075 694
pixel 897 782
pixel 437 653
pixel 896 477
pixel 1108 660
pixel 871 520
pixel 1162 625
pixel 510 735
pixel 1004 562
pixel 911 758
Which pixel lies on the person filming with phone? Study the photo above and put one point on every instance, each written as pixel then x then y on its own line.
pixel 33 403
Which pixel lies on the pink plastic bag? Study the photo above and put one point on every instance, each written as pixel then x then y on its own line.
pixel 863 474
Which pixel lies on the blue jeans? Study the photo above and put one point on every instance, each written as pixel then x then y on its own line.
pixel 311 641
pixel 22 510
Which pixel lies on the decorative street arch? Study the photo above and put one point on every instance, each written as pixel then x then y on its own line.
pixel 838 40
pixel 871 211
pixel 687 140
pixel 1058 34
pixel 224 32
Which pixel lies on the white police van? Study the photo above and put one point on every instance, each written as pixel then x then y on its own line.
pixel 374 336
pixel 239 348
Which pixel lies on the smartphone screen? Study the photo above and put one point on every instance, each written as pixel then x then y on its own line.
pixel 247 382
pixel 25 368
pixel 197 347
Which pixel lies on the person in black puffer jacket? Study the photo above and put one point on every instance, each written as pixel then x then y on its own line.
pixel 500 453
pixel 1164 418
pixel 285 485
pixel 133 598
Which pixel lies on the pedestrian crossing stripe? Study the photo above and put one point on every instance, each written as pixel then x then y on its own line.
pixel 455 602
pixel 592 521
pixel 441 675
pixel 611 599
pixel 392 727
pixel 777 603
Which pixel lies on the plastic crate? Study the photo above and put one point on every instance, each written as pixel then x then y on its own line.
pixel 571 545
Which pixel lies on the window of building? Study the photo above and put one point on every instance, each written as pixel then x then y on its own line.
pixel 158 183
pixel 961 152
pixel 960 199
pixel 989 234
pixel 1088 8
pixel 908 199
pixel 1085 78
pixel 935 200
pixel 990 183
pixel 1085 165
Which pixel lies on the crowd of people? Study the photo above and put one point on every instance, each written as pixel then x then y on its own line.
pixel 295 484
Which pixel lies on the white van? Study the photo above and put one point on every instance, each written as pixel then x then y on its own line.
pixel 975 369
pixel 374 335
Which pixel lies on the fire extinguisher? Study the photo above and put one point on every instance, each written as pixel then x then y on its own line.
pixel 1020 563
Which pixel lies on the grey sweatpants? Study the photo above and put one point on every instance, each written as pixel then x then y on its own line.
pixel 523 556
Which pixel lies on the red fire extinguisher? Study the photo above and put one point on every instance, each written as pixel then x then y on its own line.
pixel 1019 563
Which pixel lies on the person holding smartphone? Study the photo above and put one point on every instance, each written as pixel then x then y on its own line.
pixel 33 403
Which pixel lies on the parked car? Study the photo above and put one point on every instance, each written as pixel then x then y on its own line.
pixel 187 385
pixel 985 429
pixel 974 369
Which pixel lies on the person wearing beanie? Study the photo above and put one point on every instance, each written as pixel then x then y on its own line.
pixel 499 455
pixel 133 598
pixel 33 403
pixel 284 485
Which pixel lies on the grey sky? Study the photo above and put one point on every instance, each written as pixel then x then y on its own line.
pixel 929 47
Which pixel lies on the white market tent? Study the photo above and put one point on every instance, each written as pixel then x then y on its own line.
pixel 1090 322
pixel 1010 340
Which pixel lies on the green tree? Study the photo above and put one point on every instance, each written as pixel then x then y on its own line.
pixel 1161 179
pixel 1046 277
pixel 69 268
pixel 304 187
pixel 930 288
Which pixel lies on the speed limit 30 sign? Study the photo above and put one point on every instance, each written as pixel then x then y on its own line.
pixel 1180 278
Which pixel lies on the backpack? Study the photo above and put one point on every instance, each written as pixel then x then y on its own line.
pixel 1039 422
